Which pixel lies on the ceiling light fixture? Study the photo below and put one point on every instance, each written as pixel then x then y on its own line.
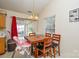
pixel 34 15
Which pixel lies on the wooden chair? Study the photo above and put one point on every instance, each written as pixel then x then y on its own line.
pixel 47 35
pixel 32 34
pixel 45 48
pixel 56 43
pixel 33 44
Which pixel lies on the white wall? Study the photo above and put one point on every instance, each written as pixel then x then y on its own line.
pixel 69 31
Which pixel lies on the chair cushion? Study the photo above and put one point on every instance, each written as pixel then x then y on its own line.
pixel 54 45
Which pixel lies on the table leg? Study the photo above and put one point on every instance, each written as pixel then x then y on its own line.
pixel 36 51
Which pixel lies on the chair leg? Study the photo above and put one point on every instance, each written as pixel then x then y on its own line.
pixel 51 52
pixel 13 53
pixel 59 50
pixel 44 55
pixel 36 53
pixel 30 50
pixel 54 51
pixel 27 50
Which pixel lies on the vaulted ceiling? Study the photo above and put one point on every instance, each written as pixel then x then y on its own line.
pixel 23 5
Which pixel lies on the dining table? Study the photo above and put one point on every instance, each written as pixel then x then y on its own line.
pixel 34 40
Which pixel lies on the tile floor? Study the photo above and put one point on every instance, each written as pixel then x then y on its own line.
pixel 17 55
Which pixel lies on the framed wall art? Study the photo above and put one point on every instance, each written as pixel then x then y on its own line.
pixel 74 15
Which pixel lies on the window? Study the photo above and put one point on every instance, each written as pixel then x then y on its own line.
pixel 25 27
pixel 50 25
pixel 47 25
pixel 31 27
pixel 20 28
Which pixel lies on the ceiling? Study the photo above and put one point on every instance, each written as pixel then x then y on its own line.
pixel 23 5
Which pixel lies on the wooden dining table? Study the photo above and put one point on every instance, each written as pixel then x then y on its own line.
pixel 34 40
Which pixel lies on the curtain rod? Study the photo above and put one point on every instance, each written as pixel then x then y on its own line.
pixel 19 18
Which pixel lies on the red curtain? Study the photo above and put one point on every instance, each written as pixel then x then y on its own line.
pixel 14 27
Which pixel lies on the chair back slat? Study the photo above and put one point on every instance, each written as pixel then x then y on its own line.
pixel 47 35
pixel 32 34
pixel 47 42
pixel 56 38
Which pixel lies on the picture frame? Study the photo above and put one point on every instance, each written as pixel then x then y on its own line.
pixel 74 15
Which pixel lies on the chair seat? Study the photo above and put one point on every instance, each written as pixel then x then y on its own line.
pixel 54 45
pixel 27 44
